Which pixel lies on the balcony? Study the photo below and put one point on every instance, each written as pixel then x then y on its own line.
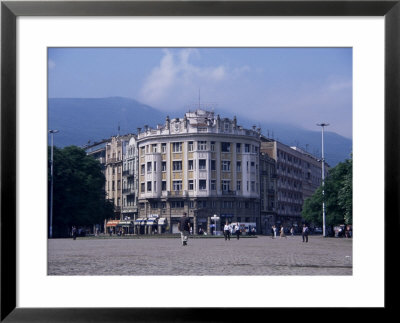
pixel 229 193
pixel 177 193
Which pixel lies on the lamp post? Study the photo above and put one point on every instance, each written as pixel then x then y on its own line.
pixel 322 125
pixel 52 132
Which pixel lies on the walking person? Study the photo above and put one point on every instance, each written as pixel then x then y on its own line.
pixel 292 231
pixel 274 228
pixel 74 232
pixel 282 232
pixel 237 230
pixel 272 232
pixel 184 227
pixel 227 232
pixel 305 233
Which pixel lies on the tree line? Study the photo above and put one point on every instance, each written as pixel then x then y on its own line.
pixel 78 191
pixel 338 198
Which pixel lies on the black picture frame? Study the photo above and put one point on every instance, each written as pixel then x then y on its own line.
pixel 10 10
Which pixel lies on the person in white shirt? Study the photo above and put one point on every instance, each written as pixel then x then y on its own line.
pixel 227 231
pixel 237 230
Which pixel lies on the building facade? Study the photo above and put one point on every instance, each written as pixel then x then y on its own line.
pixel 298 176
pixel 202 165
pixel 130 191
pixel 268 193
pixel 113 172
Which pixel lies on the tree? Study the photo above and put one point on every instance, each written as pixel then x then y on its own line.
pixel 78 191
pixel 338 198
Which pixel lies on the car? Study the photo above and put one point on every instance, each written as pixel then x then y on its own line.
pixel 318 230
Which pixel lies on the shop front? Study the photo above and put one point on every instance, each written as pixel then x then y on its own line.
pixel 125 227
pixel 111 226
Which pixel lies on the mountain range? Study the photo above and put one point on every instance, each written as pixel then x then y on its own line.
pixel 83 121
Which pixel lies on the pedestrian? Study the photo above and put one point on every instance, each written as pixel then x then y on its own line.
pixel 253 231
pixel 282 232
pixel 274 228
pixel 237 230
pixel 227 232
pixel 292 231
pixel 305 233
pixel 111 231
pixel 73 232
pixel 272 232
pixel 184 227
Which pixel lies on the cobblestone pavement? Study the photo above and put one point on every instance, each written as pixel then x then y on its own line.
pixel 203 256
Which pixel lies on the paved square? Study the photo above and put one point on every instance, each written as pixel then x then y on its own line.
pixel 203 256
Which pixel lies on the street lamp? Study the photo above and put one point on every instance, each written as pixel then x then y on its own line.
pixel 322 125
pixel 215 218
pixel 52 132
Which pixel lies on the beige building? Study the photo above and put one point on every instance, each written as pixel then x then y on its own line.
pixel 113 172
pixel 202 165
pixel 298 176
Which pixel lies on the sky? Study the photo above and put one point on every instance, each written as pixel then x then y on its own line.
pixel 297 86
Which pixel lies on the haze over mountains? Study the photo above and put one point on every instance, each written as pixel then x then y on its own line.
pixel 83 121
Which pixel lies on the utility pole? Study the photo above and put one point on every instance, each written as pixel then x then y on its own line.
pixel 52 132
pixel 322 125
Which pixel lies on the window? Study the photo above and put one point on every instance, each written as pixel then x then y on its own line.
pixel 191 204
pixel 177 165
pixel 163 205
pixel 238 185
pixel 142 187
pixel 155 166
pixel 226 165
pixel 238 148
pixel 190 146
pixel 176 147
pixel 212 146
pixel 149 167
pixel 225 147
pixel 201 204
pixel 226 126
pixel 163 185
pixel 253 186
pixel 238 166
pixel 177 185
pixel 202 184
pixel 213 167
pixel 155 186
pixel 164 166
pixel 148 186
pixel 202 164
pixel 176 204
pixel 163 147
pixel 190 164
pixel 202 145
pixel 142 169
pixel 213 185
pixel 246 148
pixel 191 186
pixel 154 148
pixel 225 185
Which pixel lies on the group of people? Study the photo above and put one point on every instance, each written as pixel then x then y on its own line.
pixel 185 228
pixel 304 233
pixel 228 229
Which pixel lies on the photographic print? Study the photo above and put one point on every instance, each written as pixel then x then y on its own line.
pixel 200 161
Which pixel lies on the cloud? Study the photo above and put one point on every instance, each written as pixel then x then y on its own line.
pixel 51 64
pixel 177 80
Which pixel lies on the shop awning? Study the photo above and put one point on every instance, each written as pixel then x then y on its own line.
pixel 125 223
pixel 151 221
pixel 161 221
pixel 140 221
pixel 112 223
